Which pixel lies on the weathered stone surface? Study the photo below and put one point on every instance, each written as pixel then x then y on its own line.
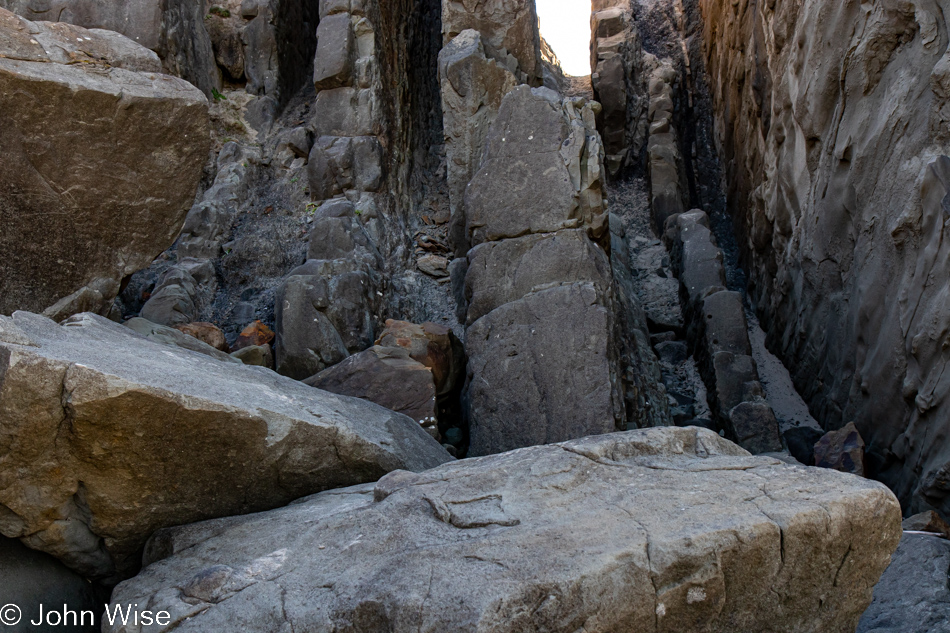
pixel 504 271
pixel 255 334
pixel 433 345
pixel 332 66
pixel 256 355
pixel 801 443
pixel 696 256
pixel 172 28
pixel 171 336
pixel 108 157
pixel 543 369
pixel 540 171
pixel 724 326
pixel 386 376
pixel 154 431
pixel 834 138
pixel 32 578
pixel 225 27
pixel 339 164
pixel 511 25
pixel 651 530
pixel 206 333
pixel 913 595
pixel 472 85
pixel 753 426
pixel 842 450
pixel 323 314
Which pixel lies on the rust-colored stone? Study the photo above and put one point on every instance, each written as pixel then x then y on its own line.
pixel 206 333
pixel 433 345
pixel 257 333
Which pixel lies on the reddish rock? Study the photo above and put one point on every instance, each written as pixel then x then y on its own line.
pixel 841 450
pixel 206 333
pixel 928 521
pixel 433 345
pixel 388 377
pixel 254 334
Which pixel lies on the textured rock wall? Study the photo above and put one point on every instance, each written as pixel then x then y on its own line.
pixel 832 121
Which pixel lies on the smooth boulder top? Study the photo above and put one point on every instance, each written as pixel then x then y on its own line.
pixel 107 436
pixel 663 529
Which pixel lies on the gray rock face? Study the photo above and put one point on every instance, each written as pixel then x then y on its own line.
pixel 110 436
pixel 323 314
pixel 111 160
pixel 32 578
pixel 504 271
pixel 543 369
pixel 533 178
pixel 509 26
pixel 386 376
pixel 170 336
pixel 913 595
pixel 472 85
pixel 834 137
pixel 651 530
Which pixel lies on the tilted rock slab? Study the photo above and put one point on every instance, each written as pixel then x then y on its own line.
pixel 100 162
pixel 106 437
pixel 672 529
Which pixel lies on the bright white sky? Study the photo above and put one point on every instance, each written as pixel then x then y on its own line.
pixel 565 24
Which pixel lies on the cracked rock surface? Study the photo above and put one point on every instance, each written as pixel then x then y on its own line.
pixel 663 529
pixel 107 437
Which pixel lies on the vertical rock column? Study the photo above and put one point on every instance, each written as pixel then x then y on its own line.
pixel 325 309
pixel 616 72
pixel 542 338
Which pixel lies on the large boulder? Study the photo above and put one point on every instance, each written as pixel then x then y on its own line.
pixel 107 436
pixel 653 530
pixel 541 169
pixel 472 83
pixel 108 157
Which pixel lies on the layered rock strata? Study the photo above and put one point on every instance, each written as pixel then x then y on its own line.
pixel 100 146
pixel 604 533
pixel 108 436
pixel 833 127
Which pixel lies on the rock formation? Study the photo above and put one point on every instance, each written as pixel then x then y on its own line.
pixel 100 146
pixel 108 436
pixel 833 127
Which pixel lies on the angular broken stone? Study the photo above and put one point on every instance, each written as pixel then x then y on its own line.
pixel 107 437
pixel 841 450
pixel 650 530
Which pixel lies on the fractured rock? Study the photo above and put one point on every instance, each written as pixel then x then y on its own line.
pixel 148 132
pixel 842 450
pixel 108 437
pixel 433 345
pixel 499 272
pixel 543 369
pixel 172 336
pixel 650 530
pixel 206 333
pixel 928 521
